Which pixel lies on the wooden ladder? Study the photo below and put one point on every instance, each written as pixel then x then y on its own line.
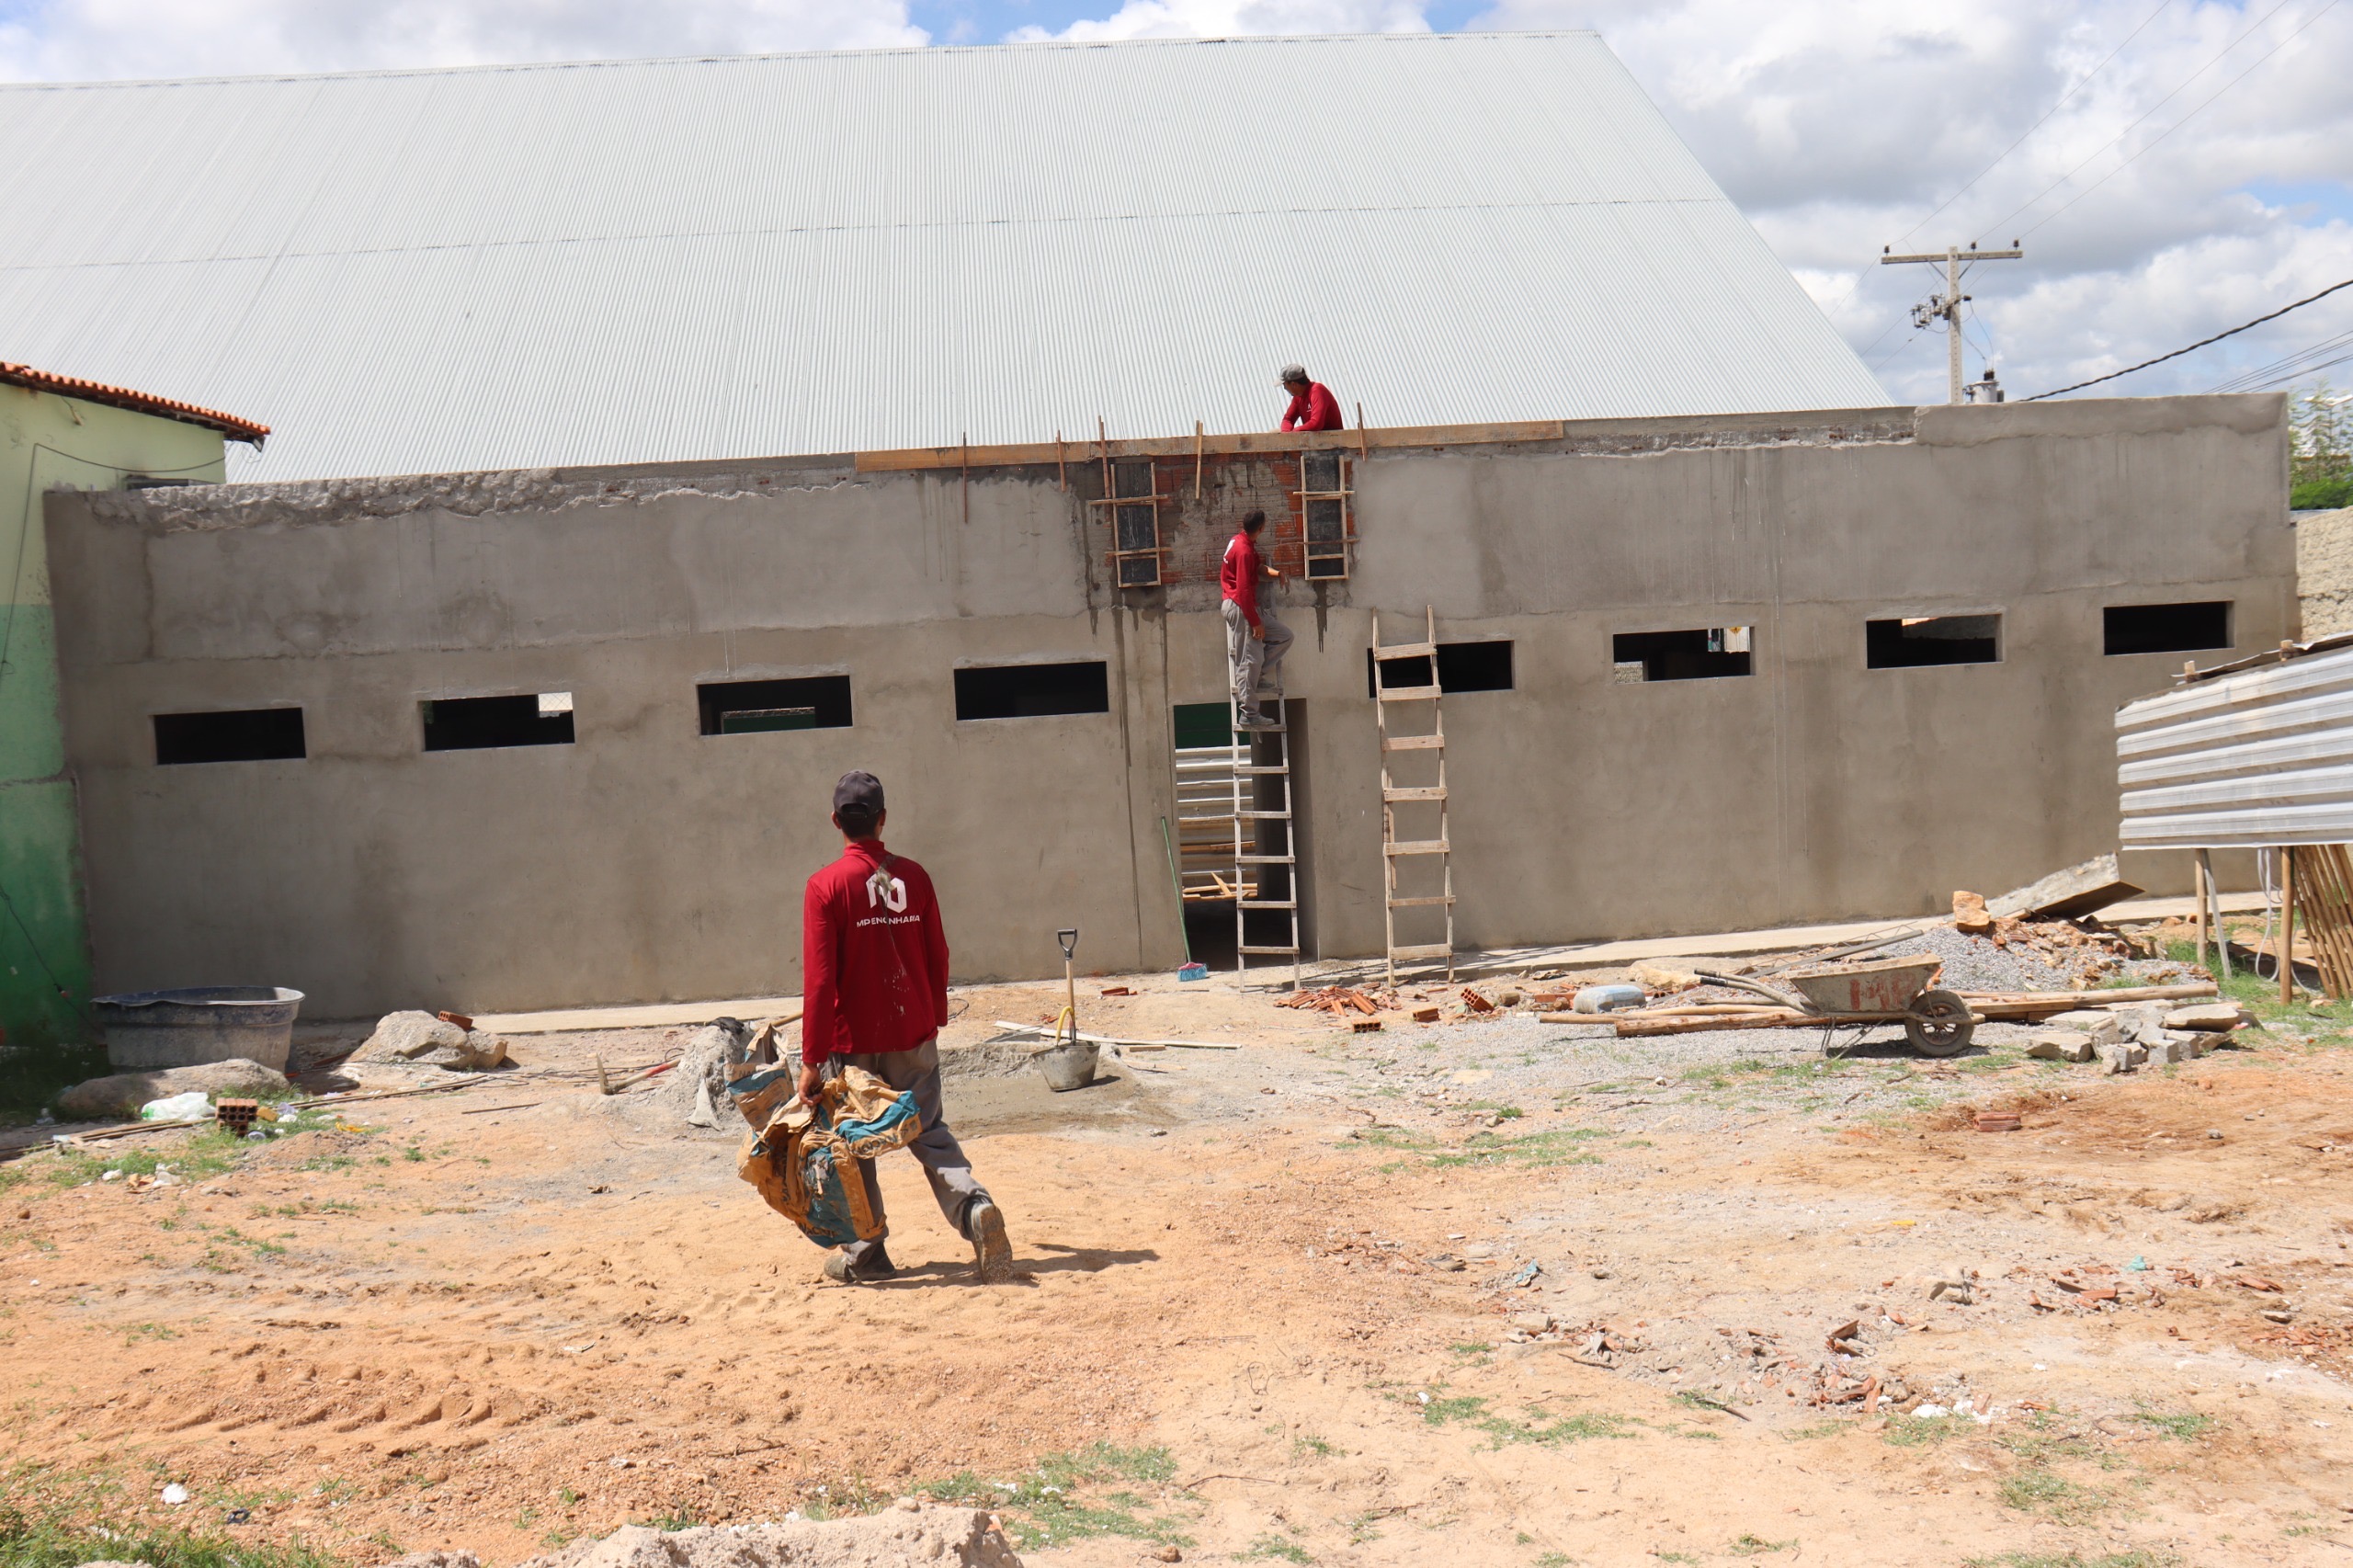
pixel 1417 798
pixel 1252 880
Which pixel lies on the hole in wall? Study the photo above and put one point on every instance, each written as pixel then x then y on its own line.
pixel 756 707
pixel 1915 642
pixel 2165 629
pixel 1462 667
pixel 251 734
pixel 1028 691
pixel 477 723
pixel 1707 652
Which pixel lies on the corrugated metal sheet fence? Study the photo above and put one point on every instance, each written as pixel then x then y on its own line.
pixel 2253 760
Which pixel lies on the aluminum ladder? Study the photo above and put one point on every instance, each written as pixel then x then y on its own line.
pixel 1416 797
pixel 1252 879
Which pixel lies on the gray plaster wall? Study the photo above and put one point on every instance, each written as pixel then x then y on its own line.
pixel 649 862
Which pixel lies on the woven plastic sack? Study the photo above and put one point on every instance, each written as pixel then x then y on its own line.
pixel 803 1163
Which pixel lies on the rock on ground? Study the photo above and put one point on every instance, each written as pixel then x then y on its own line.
pixel 906 1535
pixel 124 1093
pixel 424 1040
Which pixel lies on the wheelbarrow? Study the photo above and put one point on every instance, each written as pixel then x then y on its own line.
pixel 1890 991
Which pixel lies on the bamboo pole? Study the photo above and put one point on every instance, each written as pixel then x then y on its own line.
pixel 1199 440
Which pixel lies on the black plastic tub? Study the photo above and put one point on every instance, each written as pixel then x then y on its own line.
pixel 147 1029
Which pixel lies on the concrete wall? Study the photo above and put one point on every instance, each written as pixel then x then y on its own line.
pixel 47 441
pixel 647 861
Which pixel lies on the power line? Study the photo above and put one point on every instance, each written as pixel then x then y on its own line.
pixel 2211 63
pixel 2186 119
pixel 2201 343
pixel 2288 366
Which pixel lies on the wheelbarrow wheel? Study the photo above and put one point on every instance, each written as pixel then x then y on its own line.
pixel 1938 1024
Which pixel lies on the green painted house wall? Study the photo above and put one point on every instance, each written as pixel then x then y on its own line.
pixel 50 442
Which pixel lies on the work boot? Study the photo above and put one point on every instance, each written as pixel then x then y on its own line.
pixel 1260 722
pixel 992 1252
pixel 875 1264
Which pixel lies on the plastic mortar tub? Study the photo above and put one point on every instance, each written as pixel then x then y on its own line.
pixel 147 1029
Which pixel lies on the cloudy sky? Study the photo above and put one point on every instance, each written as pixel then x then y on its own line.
pixel 2173 168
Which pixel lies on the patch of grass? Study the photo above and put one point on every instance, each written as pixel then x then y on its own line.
pixel 567 1497
pixel 1043 1506
pixel 1756 1545
pixel 1307 1443
pixel 2036 1489
pixel 1268 1547
pixel 53 1518
pixel 1818 1431
pixel 1557 1147
pixel 1472 1347
pixel 679 1517
pixel 1540 1426
pixel 134 1332
pixel 1460 1407
pixel 2187 1428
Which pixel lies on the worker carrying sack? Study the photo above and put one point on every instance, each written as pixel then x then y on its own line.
pixel 800 1157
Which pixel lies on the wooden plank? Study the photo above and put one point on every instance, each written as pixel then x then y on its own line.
pixel 1418 846
pixel 1427 901
pixel 1416 793
pixel 1414 742
pixel 1285 442
pixel 1409 694
pixel 1426 950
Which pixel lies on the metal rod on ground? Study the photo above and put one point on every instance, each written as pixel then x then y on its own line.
pixel 1011 1028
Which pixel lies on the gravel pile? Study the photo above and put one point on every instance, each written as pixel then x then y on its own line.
pixel 1972 963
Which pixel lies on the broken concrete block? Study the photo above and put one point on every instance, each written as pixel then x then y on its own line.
pixel 2103 1027
pixel 2208 1016
pixel 1959 1292
pixel 2122 1057
pixel 424 1040
pixel 1968 913
pixel 2062 1045
pixel 123 1093
pixel 2067 895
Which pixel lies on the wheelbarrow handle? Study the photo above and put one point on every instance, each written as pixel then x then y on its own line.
pixel 1754 989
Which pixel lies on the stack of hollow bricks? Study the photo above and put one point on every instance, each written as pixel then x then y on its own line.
pixel 1193 534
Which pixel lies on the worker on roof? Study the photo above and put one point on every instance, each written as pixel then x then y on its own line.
pixel 1255 641
pixel 1313 406
pixel 874 971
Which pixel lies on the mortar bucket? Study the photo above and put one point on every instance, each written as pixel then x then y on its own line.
pixel 1069 1065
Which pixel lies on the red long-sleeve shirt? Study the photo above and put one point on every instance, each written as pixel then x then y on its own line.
pixel 1238 574
pixel 873 957
pixel 1314 409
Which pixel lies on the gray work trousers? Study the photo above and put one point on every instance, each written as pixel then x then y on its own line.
pixel 952 1182
pixel 1256 661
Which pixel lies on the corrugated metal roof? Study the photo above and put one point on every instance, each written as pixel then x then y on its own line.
pixel 676 259
pixel 2262 757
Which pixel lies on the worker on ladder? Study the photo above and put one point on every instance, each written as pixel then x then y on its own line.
pixel 1313 406
pixel 1255 641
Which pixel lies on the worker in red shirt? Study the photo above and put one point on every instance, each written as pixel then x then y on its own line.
pixel 1255 641
pixel 874 978
pixel 1313 406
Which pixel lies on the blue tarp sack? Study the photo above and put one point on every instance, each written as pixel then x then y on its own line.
pixel 799 1156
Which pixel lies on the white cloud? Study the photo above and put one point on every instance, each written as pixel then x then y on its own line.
pixel 1838 125
pixel 91 40
pixel 1234 18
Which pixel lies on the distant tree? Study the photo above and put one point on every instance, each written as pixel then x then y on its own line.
pixel 2320 430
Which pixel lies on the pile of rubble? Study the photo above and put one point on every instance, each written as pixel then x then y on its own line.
pixel 2137 1034
pixel 908 1534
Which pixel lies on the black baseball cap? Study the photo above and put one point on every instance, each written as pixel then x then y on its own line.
pixel 858 795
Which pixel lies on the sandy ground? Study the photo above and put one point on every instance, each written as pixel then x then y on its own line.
pixel 1479 1293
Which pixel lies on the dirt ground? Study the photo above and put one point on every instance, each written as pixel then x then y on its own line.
pixel 1478 1293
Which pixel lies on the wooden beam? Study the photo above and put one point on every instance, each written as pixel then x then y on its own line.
pixel 1278 442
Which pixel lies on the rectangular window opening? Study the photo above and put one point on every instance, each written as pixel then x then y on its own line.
pixel 757 706
pixel 1707 652
pixel 251 734
pixel 1462 667
pixel 2165 629
pixel 1203 724
pixel 1028 691
pixel 477 723
pixel 1913 641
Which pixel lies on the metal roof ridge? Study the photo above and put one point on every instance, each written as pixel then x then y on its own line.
pixel 393 73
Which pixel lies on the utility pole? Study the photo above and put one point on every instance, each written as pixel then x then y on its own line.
pixel 1946 307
